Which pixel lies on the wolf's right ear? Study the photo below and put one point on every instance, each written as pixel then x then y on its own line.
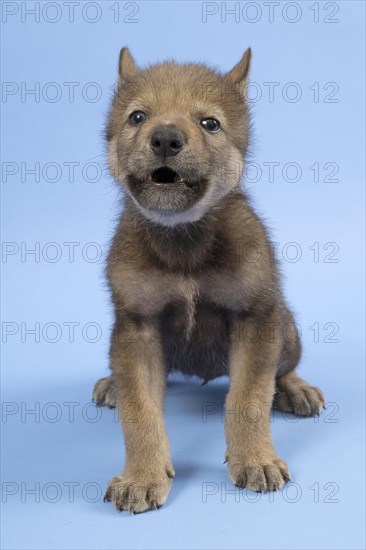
pixel 127 67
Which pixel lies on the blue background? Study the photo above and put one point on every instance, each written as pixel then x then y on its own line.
pixel 324 506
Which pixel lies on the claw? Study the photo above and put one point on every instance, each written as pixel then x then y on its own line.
pixel 107 497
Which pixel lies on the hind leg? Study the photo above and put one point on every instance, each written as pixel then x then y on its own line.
pixel 295 395
pixel 104 393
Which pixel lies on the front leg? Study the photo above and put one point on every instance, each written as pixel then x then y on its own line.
pixel 254 353
pixel 138 369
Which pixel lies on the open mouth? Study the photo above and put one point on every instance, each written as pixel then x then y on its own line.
pixel 166 190
pixel 165 175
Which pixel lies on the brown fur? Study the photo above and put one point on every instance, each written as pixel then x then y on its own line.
pixel 193 281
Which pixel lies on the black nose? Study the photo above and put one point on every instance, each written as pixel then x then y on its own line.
pixel 166 141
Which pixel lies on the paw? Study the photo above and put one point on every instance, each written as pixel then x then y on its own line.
pixel 302 400
pixel 138 493
pixel 104 393
pixel 260 476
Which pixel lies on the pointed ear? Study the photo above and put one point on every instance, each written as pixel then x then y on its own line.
pixel 239 75
pixel 127 67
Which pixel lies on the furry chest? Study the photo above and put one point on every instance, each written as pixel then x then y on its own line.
pixel 196 342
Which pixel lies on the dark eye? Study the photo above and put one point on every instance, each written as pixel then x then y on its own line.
pixel 210 124
pixel 137 117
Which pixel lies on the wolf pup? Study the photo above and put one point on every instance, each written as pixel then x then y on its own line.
pixel 194 284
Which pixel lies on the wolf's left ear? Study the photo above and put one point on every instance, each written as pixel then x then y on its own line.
pixel 239 75
pixel 127 67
